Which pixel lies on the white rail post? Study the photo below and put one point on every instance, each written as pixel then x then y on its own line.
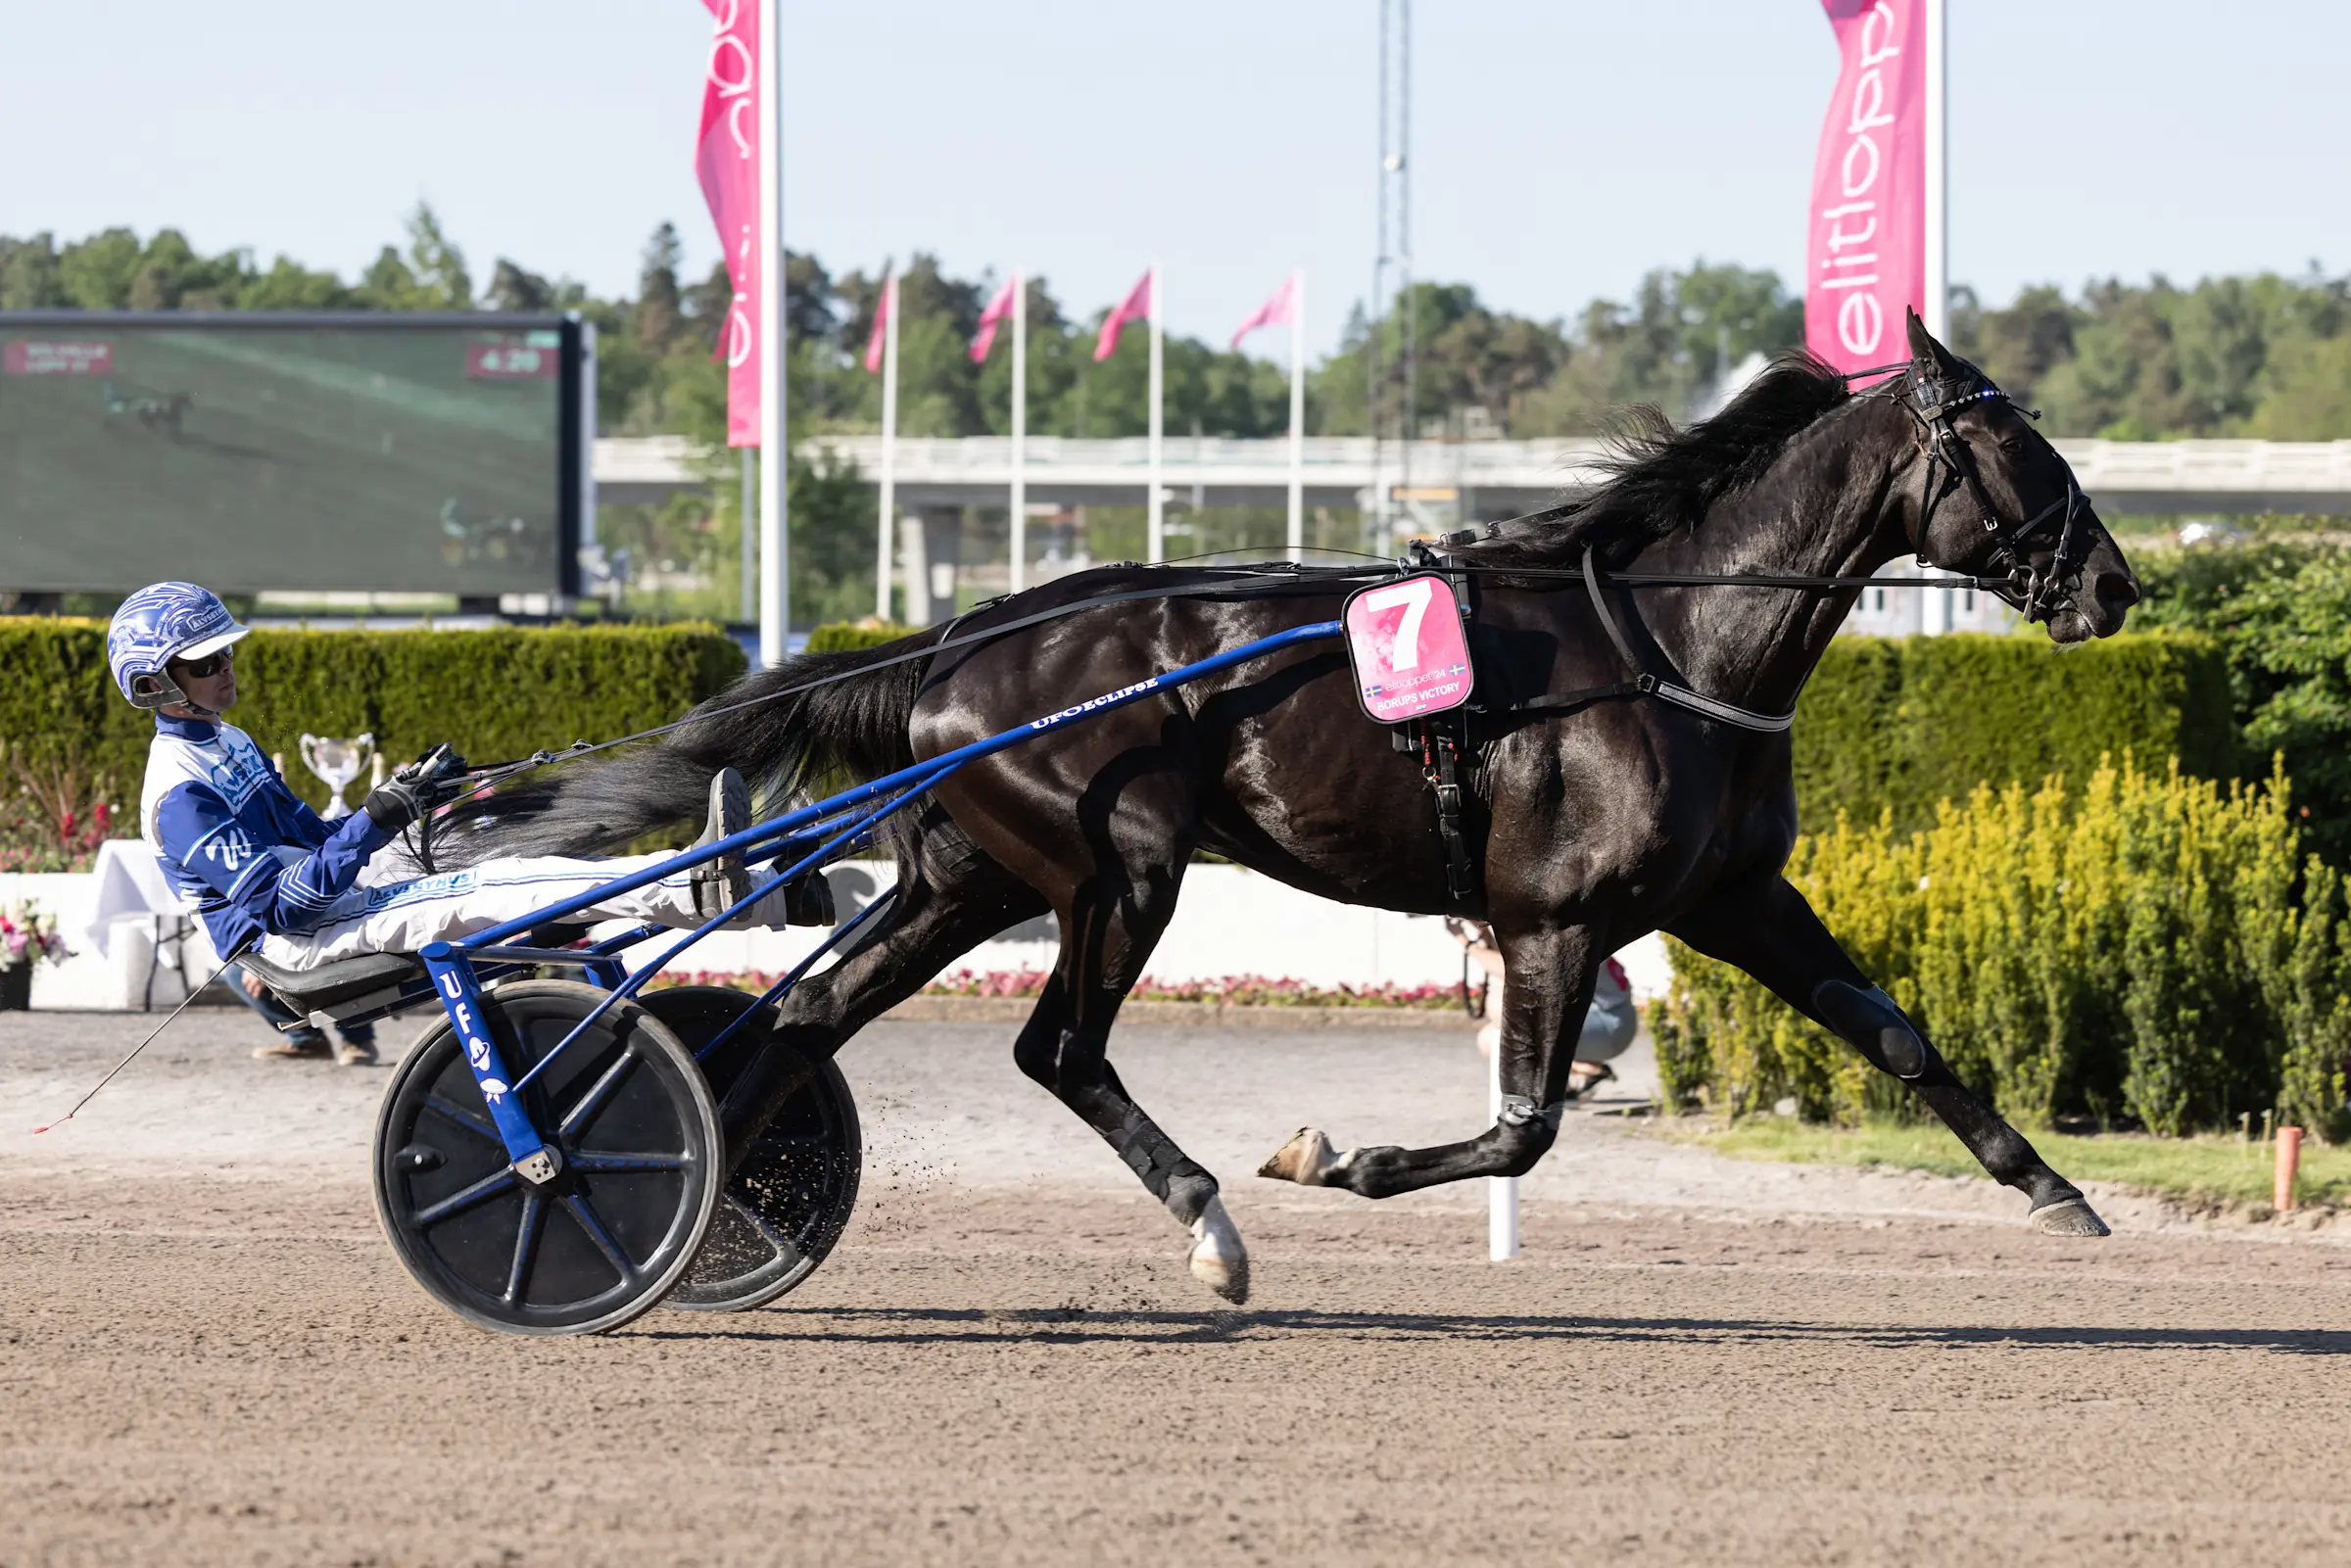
pixel 1501 1192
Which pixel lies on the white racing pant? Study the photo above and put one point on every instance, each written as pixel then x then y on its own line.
pixel 401 917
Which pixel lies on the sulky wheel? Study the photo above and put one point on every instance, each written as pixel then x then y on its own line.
pixel 611 1234
pixel 783 1210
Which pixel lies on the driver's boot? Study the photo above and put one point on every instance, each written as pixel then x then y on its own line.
pixel 726 880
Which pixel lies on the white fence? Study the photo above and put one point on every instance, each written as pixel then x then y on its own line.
pixel 128 939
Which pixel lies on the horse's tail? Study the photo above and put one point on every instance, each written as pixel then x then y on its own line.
pixel 784 734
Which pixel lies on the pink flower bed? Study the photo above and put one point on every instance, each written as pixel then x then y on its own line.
pixel 1229 990
pixel 28 937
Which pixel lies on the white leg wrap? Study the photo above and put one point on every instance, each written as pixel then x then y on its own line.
pixel 1219 1259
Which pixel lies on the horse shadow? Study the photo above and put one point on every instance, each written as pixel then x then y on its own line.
pixel 1084 1325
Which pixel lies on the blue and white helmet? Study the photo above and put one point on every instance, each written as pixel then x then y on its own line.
pixel 161 623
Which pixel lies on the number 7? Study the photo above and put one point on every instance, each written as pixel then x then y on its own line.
pixel 1413 596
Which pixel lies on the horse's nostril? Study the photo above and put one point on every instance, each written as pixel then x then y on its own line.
pixel 2114 593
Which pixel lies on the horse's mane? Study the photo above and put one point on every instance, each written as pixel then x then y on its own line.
pixel 1663 479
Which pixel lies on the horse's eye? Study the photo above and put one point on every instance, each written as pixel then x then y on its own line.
pixel 2012 445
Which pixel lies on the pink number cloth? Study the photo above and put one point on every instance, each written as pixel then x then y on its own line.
pixel 1406 641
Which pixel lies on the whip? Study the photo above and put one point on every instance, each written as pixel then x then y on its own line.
pixel 193 993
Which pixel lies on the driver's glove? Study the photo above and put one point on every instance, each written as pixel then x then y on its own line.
pixel 415 789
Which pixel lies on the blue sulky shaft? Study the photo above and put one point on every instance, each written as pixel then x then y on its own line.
pixel 449 961
pixel 783 826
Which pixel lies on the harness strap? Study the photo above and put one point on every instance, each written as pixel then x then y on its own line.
pixel 1745 717
pixel 1584 697
pixel 1608 617
pixel 1441 762
pixel 1657 685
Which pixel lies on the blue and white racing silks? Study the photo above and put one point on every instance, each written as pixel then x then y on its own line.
pixel 237 842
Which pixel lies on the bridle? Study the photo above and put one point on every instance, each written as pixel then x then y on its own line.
pixel 1931 403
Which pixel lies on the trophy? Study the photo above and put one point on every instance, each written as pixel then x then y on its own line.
pixel 337 763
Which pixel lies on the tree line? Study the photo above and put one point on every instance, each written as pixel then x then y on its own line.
pixel 2265 356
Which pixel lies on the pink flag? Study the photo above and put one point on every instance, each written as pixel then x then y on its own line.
pixel 727 157
pixel 1136 308
pixel 998 310
pixel 1275 312
pixel 873 344
pixel 1865 242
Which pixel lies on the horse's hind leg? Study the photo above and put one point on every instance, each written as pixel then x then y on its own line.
pixel 1107 932
pixel 1771 932
pixel 951 898
pixel 1552 974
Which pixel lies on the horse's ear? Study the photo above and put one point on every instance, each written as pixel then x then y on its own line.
pixel 1925 350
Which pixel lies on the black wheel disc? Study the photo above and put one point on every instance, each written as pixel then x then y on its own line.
pixel 601 1243
pixel 786 1206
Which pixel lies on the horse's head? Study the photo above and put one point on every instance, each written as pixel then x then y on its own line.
pixel 1996 500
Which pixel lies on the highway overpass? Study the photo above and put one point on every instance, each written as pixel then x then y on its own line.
pixel 1482 478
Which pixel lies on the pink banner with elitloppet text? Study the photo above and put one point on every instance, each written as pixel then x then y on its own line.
pixel 727 157
pixel 1866 243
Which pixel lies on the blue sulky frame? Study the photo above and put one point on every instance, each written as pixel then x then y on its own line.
pixel 799 842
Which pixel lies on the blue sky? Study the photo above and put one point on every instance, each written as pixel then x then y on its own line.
pixel 1562 147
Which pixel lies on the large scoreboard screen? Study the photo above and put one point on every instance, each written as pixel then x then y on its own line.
pixel 441 454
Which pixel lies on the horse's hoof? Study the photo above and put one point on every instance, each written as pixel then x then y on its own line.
pixel 2068 1216
pixel 1306 1159
pixel 1219 1259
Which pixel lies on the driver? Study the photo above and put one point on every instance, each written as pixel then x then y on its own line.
pixel 268 875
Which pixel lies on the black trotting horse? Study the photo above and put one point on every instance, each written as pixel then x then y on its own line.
pixel 1594 819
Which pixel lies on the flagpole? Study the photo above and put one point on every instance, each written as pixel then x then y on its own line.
pixel 887 526
pixel 751 541
pixel 1020 431
pixel 1297 413
pixel 1937 613
pixel 1937 237
pixel 1156 530
pixel 775 582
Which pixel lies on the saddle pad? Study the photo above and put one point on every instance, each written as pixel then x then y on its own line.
pixel 1406 643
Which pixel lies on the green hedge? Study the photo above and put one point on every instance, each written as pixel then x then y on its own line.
pixel 2134 944
pixel 495 695
pixel 848 636
pixel 1902 723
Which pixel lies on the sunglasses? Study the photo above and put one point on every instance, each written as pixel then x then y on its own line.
pixel 206 668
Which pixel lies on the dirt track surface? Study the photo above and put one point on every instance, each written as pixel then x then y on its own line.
pixel 207 1353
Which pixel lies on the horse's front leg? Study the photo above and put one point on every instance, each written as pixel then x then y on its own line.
pixel 1768 930
pixel 1552 974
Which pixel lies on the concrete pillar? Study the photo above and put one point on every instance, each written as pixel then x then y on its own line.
pixel 929 542
pixel 942 546
pixel 913 567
